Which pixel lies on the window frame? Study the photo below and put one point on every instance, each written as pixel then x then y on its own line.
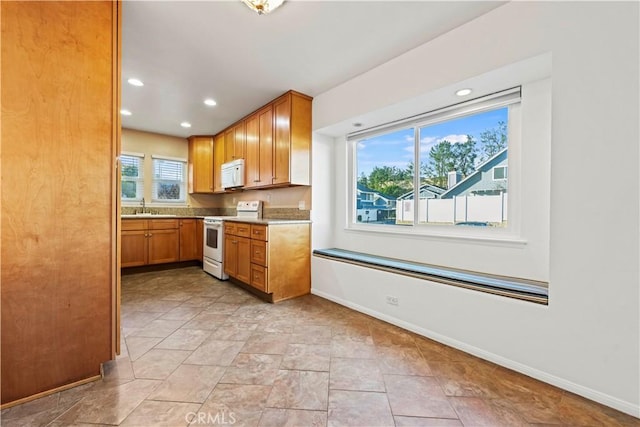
pixel 505 173
pixel 182 182
pixel 139 179
pixel 510 234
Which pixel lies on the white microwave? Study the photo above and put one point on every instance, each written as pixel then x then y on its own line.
pixel 233 174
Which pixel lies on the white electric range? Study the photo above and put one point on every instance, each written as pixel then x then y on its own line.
pixel 213 250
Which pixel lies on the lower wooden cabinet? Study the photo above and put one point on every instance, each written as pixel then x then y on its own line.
pixel 157 241
pixel 274 259
pixel 188 240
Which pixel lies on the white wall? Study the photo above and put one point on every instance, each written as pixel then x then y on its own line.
pixel 587 339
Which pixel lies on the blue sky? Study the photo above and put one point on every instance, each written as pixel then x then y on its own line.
pixel 396 149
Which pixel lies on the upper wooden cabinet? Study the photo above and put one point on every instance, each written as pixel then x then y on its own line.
pixel 259 149
pixel 201 176
pixel 218 160
pixel 275 142
pixel 234 142
pixel 292 140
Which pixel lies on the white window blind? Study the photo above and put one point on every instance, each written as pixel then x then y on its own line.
pixel 132 183
pixel 168 180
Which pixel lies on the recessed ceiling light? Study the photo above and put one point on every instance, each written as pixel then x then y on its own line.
pixel 357 124
pixel 135 82
pixel 463 92
pixel 125 112
pixel 210 102
pixel 185 124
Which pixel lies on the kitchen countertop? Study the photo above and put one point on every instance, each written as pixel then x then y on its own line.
pixel 263 221
pixel 158 216
pixel 268 221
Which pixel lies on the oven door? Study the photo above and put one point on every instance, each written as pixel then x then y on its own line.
pixel 213 241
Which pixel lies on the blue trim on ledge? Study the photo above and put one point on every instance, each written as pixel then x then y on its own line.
pixel 507 284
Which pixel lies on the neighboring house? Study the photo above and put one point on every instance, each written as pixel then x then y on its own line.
pixel 489 179
pixel 373 206
pixel 427 191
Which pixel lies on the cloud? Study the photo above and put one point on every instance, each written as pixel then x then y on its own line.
pixel 455 139
pixel 361 145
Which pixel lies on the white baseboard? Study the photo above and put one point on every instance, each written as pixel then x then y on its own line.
pixel 605 399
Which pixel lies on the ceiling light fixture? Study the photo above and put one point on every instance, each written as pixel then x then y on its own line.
pixel 135 82
pixel 463 92
pixel 210 102
pixel 185 124
pixel 125 112
pixel 263 6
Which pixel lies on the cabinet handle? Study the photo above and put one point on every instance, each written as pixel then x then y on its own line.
pixel 150 234
pixel 257 252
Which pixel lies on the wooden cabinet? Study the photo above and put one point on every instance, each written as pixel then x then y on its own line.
pixel 274 259
pixel 154 241
pixel 234 142
pixel 259 149
pixel 275 142
pixel 201 155
pixel 237 246
pixel 199 239
pixel 292 140
pixel 218 160
pixel 133 243
pixel 189 240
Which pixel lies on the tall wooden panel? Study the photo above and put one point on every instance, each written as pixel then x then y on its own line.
pixel 218 160
pixel 59 140
pixel 252 148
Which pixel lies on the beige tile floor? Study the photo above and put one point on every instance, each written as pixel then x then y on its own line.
pixel 203 352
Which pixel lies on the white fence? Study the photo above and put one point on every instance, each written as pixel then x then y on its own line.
pixel 467 208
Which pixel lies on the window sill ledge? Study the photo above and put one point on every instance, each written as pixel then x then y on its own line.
pixel 448 234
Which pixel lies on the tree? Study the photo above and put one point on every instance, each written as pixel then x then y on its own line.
pixel 464 156
pixel 493 140
pixel 389 180
pixel 442 162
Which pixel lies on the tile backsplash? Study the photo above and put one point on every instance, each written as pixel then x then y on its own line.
pixel 268 213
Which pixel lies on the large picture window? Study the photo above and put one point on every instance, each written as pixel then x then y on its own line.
pixel 461 179
pixel 168 180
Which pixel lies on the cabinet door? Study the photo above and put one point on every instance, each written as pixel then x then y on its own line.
pixel 252 159
pixel 218 160
pixel 239 141
pixel 229 145
pixel 133 248
pixel 201 164
pixel 164 246
pixel 199 239
pixel 281 140
pixel 188 240
pixel 244 259
pixel 231 255
pixel 265 173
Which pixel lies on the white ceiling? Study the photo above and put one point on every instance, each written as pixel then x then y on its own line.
pixel 187 51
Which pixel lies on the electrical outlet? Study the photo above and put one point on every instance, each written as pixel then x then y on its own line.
pixel 391 300
pixel 301 205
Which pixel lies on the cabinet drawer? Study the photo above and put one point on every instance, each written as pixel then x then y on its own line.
pixel 230 228
pixel 259 232
pixel 243 229
pixel 133 224
pixel 259 252
pixel 163 224
pixel 259 277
